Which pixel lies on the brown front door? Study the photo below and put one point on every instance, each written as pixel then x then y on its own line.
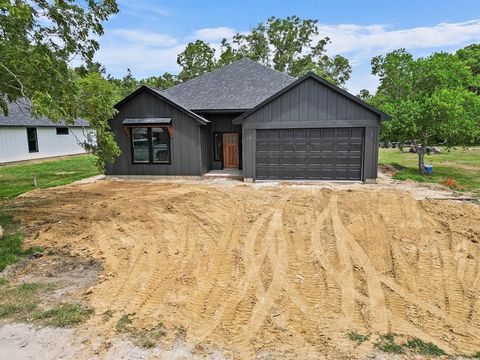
pixel 230 150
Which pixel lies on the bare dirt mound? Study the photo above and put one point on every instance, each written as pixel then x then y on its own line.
pixel 282 271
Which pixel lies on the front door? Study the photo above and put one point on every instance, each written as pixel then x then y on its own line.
pixel 230 150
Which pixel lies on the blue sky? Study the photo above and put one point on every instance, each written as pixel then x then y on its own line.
pixel 147 35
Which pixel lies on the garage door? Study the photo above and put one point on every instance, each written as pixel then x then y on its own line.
pixel 317 154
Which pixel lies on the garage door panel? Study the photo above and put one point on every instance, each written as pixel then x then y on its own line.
pixel 320 154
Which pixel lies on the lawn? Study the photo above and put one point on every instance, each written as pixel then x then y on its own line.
pixel 463 167
pixel 18 178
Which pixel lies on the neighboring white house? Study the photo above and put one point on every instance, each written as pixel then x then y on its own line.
pixel 24 137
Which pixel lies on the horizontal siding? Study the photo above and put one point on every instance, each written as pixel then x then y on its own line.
pixel 14 145
pixel 185 144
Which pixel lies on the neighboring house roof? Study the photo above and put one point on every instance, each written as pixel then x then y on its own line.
pixel 167 98
pixel 238 86
pixel 19 115
pixel 383 116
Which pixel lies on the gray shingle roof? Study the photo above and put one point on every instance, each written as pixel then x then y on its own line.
pixel 240 85
pixel 19 115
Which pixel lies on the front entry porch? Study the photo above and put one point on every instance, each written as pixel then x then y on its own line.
pixel 227 174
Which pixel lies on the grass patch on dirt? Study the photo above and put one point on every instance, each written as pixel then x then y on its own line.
pixel 358 338
pixel 424 348
pixel 387 343
pixel 11 249
pixel 145 338
pixel 461 166
pixel 64 315
pixel 21 301
pixel 17 179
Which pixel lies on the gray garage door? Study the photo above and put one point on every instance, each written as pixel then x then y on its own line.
pixel 317 154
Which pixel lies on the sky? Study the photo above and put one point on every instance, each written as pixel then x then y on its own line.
pixel 147 35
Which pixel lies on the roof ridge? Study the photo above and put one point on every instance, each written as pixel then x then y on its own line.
pixel 243 59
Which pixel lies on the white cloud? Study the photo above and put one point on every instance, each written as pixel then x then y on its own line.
pixel 144 37
pixel 150 53
pixel 212 34
pixel 348 38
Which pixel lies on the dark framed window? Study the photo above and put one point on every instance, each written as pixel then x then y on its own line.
pixel 62 130
pixel 160 145
pixel 32 140
pixel 217 146
pixel 150 145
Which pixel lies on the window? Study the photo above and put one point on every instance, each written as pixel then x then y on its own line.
pixel 62 130
pixel 160 145
pixel 217 146
pixel 140 144
pixel 151 145
pixel 32 140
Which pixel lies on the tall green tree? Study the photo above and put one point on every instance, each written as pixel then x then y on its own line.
pixel 38 41
pixel 290 45
pixel 197 59
pixel 429 99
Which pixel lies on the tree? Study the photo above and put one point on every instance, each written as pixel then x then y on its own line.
pixel 364 94
pixel 429 98
pixel 290 45
pixel 197 59
pixel 98 97
pixel 164 81
pixel 470 55
pixel 38 40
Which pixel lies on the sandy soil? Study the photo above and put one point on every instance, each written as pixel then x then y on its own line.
pixel 279 271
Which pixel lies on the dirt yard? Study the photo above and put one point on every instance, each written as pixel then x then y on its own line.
pixel 272 271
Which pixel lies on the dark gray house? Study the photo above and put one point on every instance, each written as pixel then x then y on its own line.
pixel 249 117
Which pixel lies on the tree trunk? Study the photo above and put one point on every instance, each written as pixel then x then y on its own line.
pixel 421 160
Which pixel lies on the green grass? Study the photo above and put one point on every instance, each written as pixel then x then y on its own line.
pixel 424 348
pixel 386 343
pixel 462 166
pixel 145 338
pixel 20 301
pixel 17 179
pixel 11 249
pixel 64 315
pixel 125 323
pixel 358 338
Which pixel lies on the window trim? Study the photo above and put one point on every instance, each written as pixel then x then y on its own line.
pixel 36 140
pixel 150 146
pixel 62 128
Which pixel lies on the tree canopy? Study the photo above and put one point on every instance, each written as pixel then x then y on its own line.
pixel 38 41
pixel 290 45
pixel 430 99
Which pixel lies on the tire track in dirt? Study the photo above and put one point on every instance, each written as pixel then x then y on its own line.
pixel 223 261
pixel 378 310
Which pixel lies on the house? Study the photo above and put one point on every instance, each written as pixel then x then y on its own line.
pixel 25 137
pixel 249 117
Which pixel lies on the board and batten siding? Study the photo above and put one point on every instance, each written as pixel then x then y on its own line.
pixel 222 123
pixel 14 144
pixel 185 144
pixel 311 104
